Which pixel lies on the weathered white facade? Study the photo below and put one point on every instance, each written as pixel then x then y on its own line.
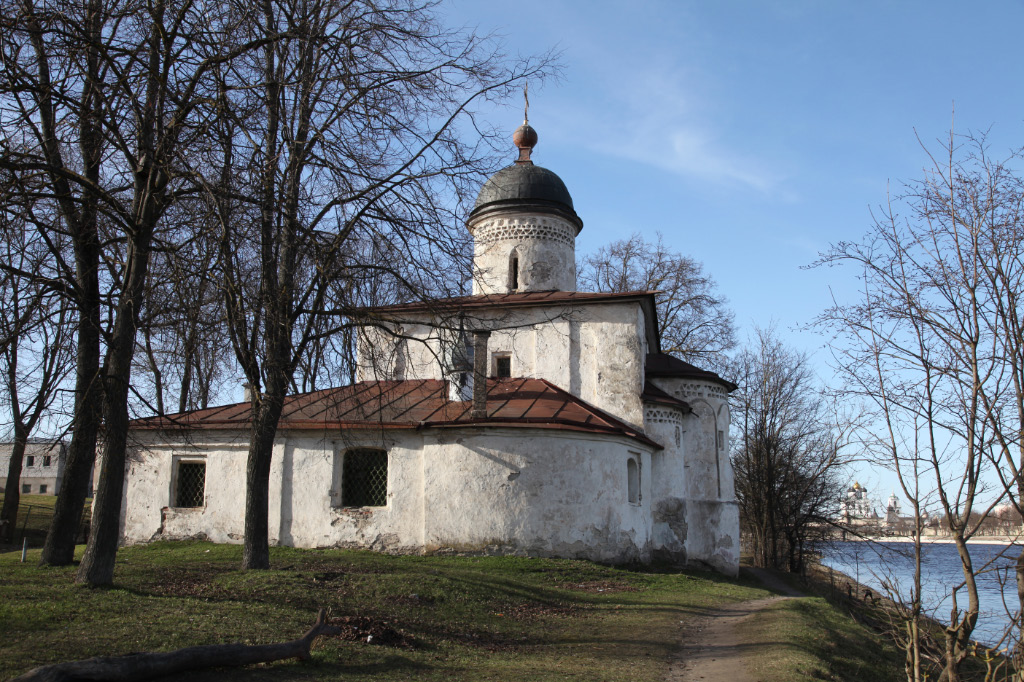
pixel 573 436
pixel 42 467
pixel 453 490
pixel 592 347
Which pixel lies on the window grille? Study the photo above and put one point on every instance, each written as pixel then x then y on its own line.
pixel 26 487
pixel 502 366
pixel 365 479
pixel 191 484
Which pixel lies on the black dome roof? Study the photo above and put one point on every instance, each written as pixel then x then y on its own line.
pixel 526 185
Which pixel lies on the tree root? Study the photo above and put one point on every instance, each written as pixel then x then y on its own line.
pixel 144 666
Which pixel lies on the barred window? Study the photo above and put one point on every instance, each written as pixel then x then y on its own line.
pixel 502 365
pixel 364 478
pixel 190 485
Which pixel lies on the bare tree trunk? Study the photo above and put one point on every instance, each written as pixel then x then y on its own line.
pixel 97 566
pixel 12 490
pixel 154 367
pixel 256 546
pixel 59 548
pixel 147 666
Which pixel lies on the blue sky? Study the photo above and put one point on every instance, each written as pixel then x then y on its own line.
pixel 754 134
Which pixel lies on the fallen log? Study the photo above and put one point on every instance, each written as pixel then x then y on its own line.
pixel 145 666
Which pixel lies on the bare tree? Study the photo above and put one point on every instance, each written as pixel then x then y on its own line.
pixel 103 102
pixel 345 130
pixel 694 321
pixel 35 350
pixel 51 176
pixel 787 457
pixel 181 359
pixel 933 346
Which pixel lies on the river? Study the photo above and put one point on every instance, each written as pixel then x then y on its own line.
pixel 876 564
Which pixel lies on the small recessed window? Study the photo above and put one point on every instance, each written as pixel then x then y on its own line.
pixel 633 480
pixel 502 366
pixel 30 461
pixel 26 487
pixel 513 273
pixel 42 488
pixel 190 485
pixel 46 460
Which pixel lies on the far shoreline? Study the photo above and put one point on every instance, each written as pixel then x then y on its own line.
pixel 933 540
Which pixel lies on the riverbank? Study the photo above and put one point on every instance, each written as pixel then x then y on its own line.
pixel 869 605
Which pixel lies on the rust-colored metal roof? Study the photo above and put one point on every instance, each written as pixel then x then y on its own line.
pixel 531 403
pixel 665 365
pixel 521 299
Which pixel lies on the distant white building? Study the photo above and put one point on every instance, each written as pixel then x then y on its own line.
pixel 892 509
pixel 857 507
pixel 42 469
pixel 527 418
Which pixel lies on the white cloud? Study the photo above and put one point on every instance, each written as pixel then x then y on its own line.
pixel 654 111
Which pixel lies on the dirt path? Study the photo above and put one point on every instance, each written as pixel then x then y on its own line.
pixel 712 649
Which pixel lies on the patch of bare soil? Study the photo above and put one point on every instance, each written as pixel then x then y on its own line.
pixel 712 650
pixel 363 629
pixel 489 641
pixel 529 611
pixel 595 586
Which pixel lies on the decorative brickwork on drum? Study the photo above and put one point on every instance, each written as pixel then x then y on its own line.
pixel 520 229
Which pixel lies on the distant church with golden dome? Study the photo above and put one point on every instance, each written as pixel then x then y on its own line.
pixel 857 507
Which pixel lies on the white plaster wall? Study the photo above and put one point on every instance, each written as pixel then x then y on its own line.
pixel 556 494
pixel 595 352
pixel 408 350
pixel 302 479
pixel 669 526
pixel 37 474
pixel 703 516
pixel 709 472
pixel 544 244
pixel 147 510
pixel 714 538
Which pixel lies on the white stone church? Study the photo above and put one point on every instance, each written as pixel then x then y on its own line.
pixel 527 418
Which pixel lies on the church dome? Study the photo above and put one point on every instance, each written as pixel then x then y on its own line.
pixel 524 185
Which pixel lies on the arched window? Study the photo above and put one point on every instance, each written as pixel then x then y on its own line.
pixel 633 480
pixel 513 271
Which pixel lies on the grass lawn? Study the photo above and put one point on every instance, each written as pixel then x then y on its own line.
pixel 456 618
pixel 809 639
